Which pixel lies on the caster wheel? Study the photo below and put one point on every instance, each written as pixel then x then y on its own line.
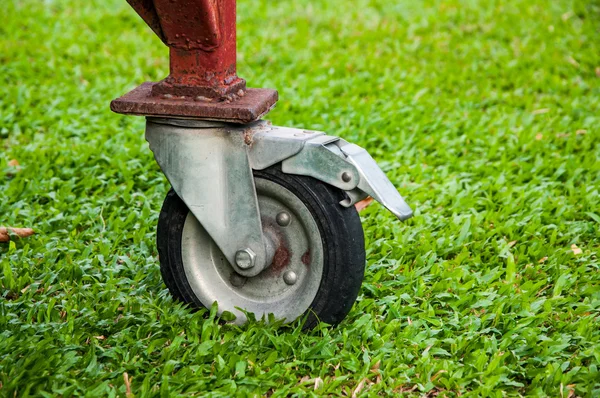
pixel 317 268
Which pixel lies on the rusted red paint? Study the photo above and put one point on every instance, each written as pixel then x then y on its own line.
pixel 281 259
pixel 306 257
pixel 203 81
pixel 201 36
pixel 248 134
pixel 256 103
pixel 194 24
pixel 283 254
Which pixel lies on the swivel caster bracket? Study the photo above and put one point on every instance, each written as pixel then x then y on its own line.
pixel 210 164
pixel 260 219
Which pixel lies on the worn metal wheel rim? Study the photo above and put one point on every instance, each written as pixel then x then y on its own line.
pixel 298 248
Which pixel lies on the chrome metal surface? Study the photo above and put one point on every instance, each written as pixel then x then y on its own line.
pixel 237 280
pixel 346 177
pixel 374 182
pixel 270 145
pixel 191 123
pixel 318 159
pixel 290 277
pixel 209 164
pixel 349 167
pixel 283 219
pixel 299 250
pixel 208 168
pixel 354 196
pixel 245 258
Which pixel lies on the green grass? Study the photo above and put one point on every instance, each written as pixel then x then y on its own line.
pixel 486 116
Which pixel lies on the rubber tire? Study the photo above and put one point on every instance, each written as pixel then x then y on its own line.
pixel 341 235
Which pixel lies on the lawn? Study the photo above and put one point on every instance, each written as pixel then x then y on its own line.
pixel 486 116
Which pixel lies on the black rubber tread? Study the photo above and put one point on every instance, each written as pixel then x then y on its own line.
pixel 341 234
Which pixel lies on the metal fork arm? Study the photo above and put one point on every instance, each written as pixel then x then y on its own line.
pixel 209 165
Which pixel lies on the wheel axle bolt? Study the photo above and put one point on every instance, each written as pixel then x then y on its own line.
pixel 346 177
pixel 245 258
pixel 283 219
pixel 290 277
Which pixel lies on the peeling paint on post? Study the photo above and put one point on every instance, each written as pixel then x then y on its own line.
pixel 203 81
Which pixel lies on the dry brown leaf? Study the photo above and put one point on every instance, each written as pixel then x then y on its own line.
pixel 581 132
pixel 13 162
pixel 572 61
pixel 127 382
pixel 435 376
pixel 20 232
pixel 363 204
pixel 576 250
pixel 512 243
pixel 375 367
pixel 403 389
pixel 409 320
pixel 358 388
pixel 543 259
pixel 571 388
pixel 598 71
pixel 318 383
pixel 540 111
pixel 426 350
pixel 100 337
pixel 539 136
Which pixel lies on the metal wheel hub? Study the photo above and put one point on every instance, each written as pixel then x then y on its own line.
pixel 287 287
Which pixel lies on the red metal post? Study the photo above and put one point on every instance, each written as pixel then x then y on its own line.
pixel 203 81
pixel 201 35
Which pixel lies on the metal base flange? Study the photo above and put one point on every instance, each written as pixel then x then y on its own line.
pixel 247 106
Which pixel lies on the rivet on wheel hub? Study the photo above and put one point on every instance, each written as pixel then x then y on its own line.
pixel 290 277
pixel 283 219
pixel 346 177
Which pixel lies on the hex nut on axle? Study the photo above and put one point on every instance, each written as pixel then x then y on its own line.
pixel 245 258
